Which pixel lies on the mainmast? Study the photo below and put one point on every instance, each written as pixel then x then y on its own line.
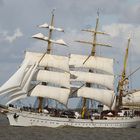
pixel 48 51
pixel 93 52
pixel 123 77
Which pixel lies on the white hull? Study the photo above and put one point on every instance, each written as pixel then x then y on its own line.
pixel 36 119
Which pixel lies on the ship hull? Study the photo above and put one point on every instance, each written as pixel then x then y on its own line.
pixel 25 118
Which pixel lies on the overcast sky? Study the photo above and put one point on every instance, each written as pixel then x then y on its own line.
pixel 18 20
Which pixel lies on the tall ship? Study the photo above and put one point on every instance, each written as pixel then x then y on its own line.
pixel 49 77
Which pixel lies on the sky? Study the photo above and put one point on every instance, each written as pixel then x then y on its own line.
pixel 119 18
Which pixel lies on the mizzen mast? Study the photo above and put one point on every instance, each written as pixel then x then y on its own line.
pixel 123 79
pixel 94 43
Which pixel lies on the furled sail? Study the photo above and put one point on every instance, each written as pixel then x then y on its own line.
pixel 132 99
pixel 59 94
pixel 100 79
pixel 57 78
pixel 99 63
pixel 45 25
pixel 104 96
pixel 45 38
pixel 59 41
pixel 54 61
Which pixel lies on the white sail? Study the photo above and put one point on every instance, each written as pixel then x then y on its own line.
pixel 129 92
pixel 26 85
pixel 17 97
pixel 101 79
pixel 23 81
pixel 59 94
pixel 45 25
pixel 113 107
pixel 59 41
pixel 54 61
pixel 40 36
pixel 57 78
pixel 45 38
pixel 104 96
pixel 15 81
pixel 99 63
pixel 132 99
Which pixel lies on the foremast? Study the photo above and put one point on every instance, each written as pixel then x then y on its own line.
pixel 48 51
pixel 40 99
pixel 123 78
pixel 94 43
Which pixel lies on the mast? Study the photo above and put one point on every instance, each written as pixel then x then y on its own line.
pixel 93 52
pixel 50 34
pixel 123 77
pixel 40 99
pixel 48 51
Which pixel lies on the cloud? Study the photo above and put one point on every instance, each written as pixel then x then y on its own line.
pixel 130 14
pixel 16 35
pixel 10 38
pixel 123 31
pixel 119 33
pixel 116 30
